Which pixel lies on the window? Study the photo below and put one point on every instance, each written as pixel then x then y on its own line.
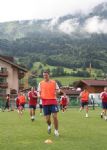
pixel 2 91
pixel 2 80
pixel 3 69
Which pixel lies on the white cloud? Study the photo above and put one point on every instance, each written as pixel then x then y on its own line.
pixel 96 25
pixel 69 26
pixel 41 9
pixel 53 23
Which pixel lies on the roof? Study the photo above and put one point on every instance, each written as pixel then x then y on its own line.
pixel 70 91
pixel 92 82
pixel 12 63
pixel 7 58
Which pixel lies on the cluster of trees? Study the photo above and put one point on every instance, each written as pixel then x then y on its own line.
pixel 60 71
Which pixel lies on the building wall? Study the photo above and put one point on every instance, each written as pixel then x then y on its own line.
pixel 93 89
pixel 15 79
pixel 12 78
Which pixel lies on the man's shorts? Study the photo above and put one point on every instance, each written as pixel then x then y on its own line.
pixel 84 104
pixel 64 106
pixel 49 109
pixel 32 107
pixel 23 105
pixel 104 105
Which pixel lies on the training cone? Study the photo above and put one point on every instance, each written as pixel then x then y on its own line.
pixel 48 141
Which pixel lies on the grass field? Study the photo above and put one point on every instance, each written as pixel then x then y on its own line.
pixel 76 132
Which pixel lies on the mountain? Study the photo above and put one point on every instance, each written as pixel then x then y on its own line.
pixel 101 10
pixel 72 40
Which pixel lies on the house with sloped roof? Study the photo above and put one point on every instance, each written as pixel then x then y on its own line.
pixel 11 75
pixel 93 86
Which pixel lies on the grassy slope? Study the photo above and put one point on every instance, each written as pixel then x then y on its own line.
pixel 76 132
pixel 65 80
pixel 68 70
pixel 36 65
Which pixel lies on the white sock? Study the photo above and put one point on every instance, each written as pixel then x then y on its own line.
pixel 105 117
pixel 32 117
pixel 49 126
pixel 86 114
pixel 56 131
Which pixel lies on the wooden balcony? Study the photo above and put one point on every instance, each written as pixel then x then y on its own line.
pixel 3 95
pixel 3 85
pixel 21 86
pixel 21 74
pixel 13 91
pixel 3 74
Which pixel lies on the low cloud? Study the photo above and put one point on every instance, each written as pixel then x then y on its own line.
pixel 95 25
pixel 69 26
pixel 53 23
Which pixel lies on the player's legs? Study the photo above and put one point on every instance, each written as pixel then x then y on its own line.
pixel 103 113
pixel 86 110
pixel 54 110
pixel 47 114
pixel 55 119
pixel 20 108
pixel 32 112
pixel 63 109
pixel 40 107
pixel 82 106
pixel 48 121
pixel 86 106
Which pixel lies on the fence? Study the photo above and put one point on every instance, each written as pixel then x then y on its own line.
pixel 73 101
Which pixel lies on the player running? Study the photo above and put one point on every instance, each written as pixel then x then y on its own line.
pixel 47 91
pixel 64 102
pixel 32 96
pixel 103 96
pixel 84 97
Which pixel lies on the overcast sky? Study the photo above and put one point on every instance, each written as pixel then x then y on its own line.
pixel 41 9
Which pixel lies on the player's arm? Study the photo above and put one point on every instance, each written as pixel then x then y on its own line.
pixel 67 100
pixel 39 91
pixel 80 96
pixel 102 95
pixel 58 90
pixel 35 96
pixel 28 95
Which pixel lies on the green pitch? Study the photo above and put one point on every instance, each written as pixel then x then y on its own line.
pixel 76 131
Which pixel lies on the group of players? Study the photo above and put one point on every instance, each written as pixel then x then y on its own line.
pixel 33 100
pixel 47 92
pixel 84 98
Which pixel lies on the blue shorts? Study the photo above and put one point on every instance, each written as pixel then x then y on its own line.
pixel 23 105
pixel 84 104
pixel 48 109
pixel 104 105
pixel 32 107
